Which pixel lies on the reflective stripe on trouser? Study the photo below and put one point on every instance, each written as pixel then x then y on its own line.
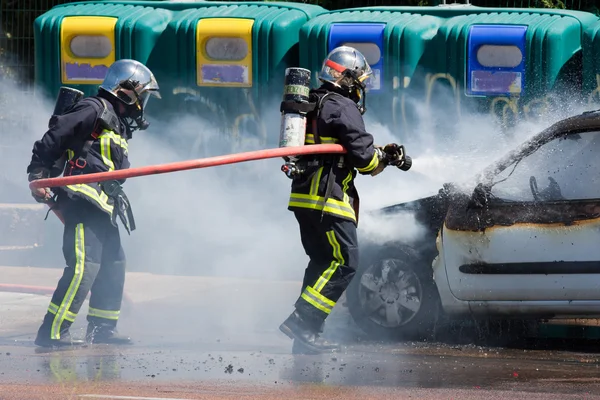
pixel 107 291
pixel 104 314
pixel 94 258
pixel 332 247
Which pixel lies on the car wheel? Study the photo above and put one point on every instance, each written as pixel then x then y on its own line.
pixel 393 296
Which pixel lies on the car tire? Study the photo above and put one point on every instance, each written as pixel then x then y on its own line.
pixel 393 295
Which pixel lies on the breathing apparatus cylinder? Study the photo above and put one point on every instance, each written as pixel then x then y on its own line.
pixel 293 119
pixel 294 108
pixel 66 98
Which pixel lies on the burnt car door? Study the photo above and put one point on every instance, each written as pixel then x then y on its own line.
pixel 538 236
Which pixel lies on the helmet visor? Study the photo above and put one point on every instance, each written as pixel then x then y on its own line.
pixel 367 73
pixel 144 97
pixel 152 87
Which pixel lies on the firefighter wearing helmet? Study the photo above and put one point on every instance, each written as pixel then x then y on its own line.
pixel 324 198
pixel 91 135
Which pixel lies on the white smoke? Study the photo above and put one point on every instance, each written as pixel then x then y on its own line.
pixel 230 220
pixel 440 155
pixel 233 220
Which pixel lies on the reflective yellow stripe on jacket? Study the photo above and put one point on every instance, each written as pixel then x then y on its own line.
pixel 313 201
pixel 100 198
pixel 372 165
pixel 94 193
pixel 318 203
pixel 116 139
pixel 105 138
pixel 310 139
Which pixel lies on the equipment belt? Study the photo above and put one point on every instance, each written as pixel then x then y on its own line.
pixel 123 207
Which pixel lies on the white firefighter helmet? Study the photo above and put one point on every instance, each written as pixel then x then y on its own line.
pixel 347 68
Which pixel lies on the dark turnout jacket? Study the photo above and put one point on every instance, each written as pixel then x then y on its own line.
pixel 66 135
pixel 339 121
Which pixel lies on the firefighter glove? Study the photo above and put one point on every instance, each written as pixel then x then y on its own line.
pixel 41 195
pixel 381 156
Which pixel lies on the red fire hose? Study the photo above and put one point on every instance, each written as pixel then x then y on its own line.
pixel 172 167
pixel 186 165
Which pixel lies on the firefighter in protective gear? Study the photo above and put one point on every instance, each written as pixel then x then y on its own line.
pixel 324 198
pixel 92 136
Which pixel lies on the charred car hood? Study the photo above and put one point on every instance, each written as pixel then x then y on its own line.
pixel 431 211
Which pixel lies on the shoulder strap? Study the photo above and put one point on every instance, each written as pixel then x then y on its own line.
pixel 107 118
pixel 80 157
pixel 321 98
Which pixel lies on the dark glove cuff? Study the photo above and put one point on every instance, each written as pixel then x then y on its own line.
pixel 390 148
pixel 38 173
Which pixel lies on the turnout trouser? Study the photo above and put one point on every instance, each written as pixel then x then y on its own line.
pixel 95 261
pixel 331 244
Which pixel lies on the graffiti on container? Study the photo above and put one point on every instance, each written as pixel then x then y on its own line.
pixel 503 109
pixel 85 71
pixel 432 79
pixel 506 109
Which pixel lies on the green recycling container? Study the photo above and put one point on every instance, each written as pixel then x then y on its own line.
pixel 512 63
pixel 76 43
pixel 392 39
pixel 220 60
pixel 448 60
pixel 226 61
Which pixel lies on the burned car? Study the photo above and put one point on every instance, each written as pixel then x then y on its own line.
pixel 523 242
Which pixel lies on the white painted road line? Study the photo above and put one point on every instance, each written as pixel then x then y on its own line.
pixel 109 397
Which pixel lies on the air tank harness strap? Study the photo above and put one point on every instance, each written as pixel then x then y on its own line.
pixel 291 105
pixel 331 178
pixel 330 160
pixel 121 203
pixel 81 162
pixel 106 119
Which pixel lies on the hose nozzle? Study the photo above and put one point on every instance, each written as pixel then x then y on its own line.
pixel 396 156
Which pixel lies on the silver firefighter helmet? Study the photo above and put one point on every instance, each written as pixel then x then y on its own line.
pixel 132 83
pixel 348 69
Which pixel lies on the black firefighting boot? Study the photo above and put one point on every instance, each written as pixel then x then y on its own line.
pixel 44 338
pixel 306 336
pixel 106 334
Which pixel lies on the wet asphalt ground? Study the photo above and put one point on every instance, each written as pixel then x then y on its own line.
pixel 218 339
